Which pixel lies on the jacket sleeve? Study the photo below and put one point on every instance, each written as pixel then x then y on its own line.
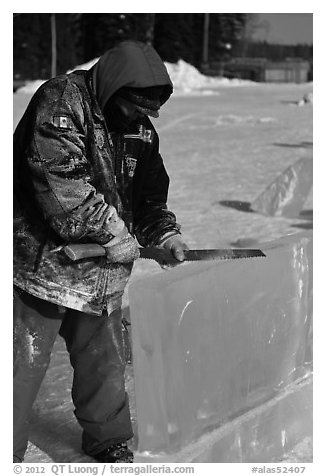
pixel 152 219
pixel 58 168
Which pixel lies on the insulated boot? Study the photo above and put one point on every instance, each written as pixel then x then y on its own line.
pixel 118 453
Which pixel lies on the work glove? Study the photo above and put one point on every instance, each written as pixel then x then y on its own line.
pixel 176 245
pixel 123 248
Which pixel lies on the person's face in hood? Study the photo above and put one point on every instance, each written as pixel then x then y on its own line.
pixel 133 65
pixel 126 108
pixel 121 115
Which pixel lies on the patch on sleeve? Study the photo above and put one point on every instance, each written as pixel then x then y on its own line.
pixel 62 121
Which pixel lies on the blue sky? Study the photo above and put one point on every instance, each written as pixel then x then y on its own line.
pixel 286 28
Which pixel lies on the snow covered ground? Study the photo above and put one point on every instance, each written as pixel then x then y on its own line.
pixel 223 143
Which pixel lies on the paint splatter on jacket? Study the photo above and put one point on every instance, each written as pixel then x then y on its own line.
pixel 64 159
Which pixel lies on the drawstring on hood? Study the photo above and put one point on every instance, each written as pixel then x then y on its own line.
pixel 130 64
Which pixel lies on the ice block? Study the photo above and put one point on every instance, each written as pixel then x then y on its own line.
pixel 213 341
pixel 286 195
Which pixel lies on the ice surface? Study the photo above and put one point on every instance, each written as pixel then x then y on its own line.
pixel 275 431
pixel 213 340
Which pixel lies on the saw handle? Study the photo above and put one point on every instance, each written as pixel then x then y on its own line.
pixel 84 250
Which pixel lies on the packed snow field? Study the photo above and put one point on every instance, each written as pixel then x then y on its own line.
pixel 223 143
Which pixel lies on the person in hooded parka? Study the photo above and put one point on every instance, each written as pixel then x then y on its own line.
pixel 87 169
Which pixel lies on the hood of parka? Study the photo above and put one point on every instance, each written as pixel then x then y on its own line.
pixel 130 64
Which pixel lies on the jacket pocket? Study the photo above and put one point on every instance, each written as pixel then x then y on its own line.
pixel 82 277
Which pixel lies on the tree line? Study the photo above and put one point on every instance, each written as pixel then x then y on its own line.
pixel 80 37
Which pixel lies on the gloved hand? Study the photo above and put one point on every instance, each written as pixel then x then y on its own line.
pixel 176 245
pixel 122 249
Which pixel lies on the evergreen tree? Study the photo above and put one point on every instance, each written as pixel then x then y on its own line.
pixel 176 36
pixel 32 36
pixel 181 35
pixel 226 30
pixel 84 36
pixel 66 42
pixel 101 31
pixel 32 44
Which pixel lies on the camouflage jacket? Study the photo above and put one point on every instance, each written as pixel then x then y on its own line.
pixel 63 157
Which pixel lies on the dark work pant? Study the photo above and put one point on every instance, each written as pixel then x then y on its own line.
pixel 95 346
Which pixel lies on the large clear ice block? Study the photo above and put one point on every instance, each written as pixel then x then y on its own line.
pixel 214 340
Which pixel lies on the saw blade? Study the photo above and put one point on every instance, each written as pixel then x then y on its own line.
pixel 228 253
pixel 165 257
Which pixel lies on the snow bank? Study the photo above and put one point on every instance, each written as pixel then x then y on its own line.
pixel 30 87
pixel 185 78
pixel 84 66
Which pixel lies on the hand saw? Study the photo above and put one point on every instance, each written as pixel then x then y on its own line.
pixel 162 256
